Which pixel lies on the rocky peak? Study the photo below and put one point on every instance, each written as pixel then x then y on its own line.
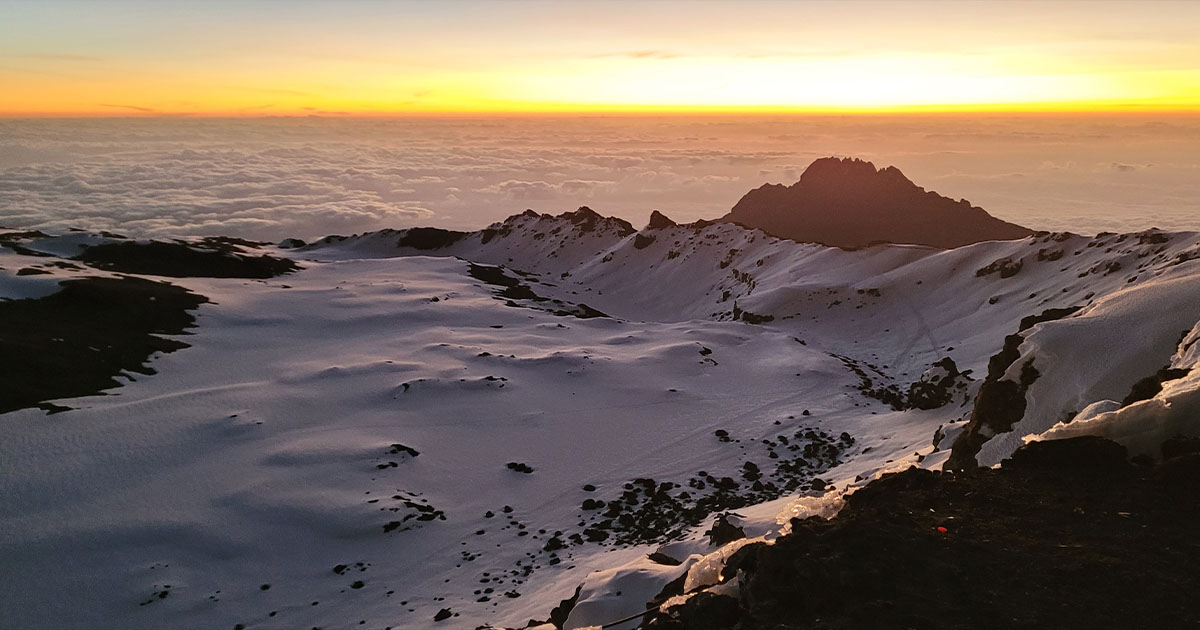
pixel 659 221
pixel 848 202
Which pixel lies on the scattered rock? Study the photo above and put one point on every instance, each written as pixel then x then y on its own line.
pixel 724 531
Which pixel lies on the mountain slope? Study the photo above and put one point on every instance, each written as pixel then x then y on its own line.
pixel 485 423
pixel 892 310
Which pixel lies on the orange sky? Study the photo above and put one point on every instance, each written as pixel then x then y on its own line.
pixel 298 58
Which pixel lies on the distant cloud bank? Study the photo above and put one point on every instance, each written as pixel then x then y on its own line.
pixel 270 178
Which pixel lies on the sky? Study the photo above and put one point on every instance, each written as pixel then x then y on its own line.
pixel 224 58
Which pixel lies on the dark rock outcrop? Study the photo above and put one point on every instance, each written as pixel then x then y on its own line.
pixel 641 241
pixel 659 221
pixel 724 531
pixel 1150 386
pixel 1001 402
pixel 209 258
pixel 848 203
pixel 1067 533
pixel 76 341
pixel 426 238
pixel 514 289
pixel 937 387
pixel 587 220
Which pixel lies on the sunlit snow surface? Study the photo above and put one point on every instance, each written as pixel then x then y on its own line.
pixel 265 453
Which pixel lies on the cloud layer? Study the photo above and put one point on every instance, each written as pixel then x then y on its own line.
pixel 270 178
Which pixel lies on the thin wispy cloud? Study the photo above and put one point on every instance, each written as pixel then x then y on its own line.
pixel 280 91
pixel 136 108
pixel 59 57
pixel 640 54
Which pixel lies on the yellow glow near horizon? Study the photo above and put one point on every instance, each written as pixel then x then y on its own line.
pixel 526 58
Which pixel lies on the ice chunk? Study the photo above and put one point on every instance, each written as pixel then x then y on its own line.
pixel 825 506
pixel 707 571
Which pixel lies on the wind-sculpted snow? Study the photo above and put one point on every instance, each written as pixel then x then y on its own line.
pixel 889 312
pixel 421 429
pixel 1146 427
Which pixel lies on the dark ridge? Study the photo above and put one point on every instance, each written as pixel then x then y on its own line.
pixel 22 235
pixel 848 203
pixel 291 243
pixel 1000 403
pixel 12 240
pixel 558 616
pixel 74 342
pixel 230 244
pixel 1066 534
pixel 1149 387
pixel 659 221
pixel 700 224
pixel 425 238
pixel 588 220
pixel 1048 315
pixel 184 260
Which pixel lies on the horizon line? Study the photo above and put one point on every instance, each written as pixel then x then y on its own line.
pixel 1191 110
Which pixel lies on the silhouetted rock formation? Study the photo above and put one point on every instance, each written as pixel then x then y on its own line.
pixel 659 221
pixel 848 203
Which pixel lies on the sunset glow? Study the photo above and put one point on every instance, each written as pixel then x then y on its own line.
pixel 272 58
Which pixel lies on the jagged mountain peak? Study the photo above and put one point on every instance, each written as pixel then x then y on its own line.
pixel 832 171
pixel 849 203
pixel 659 221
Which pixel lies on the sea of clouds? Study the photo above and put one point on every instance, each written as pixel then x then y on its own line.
pixel 273 178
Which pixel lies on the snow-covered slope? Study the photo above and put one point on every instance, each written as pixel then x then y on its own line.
pixel 1117 305
pixel 418 422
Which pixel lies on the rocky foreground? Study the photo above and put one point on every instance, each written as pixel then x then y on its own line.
pixel 1066 534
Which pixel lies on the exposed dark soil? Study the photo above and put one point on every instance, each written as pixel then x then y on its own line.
pixel 74 342
pixel 212 258
pixel 1066 534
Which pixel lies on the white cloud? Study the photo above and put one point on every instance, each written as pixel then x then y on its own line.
pixel 267 178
